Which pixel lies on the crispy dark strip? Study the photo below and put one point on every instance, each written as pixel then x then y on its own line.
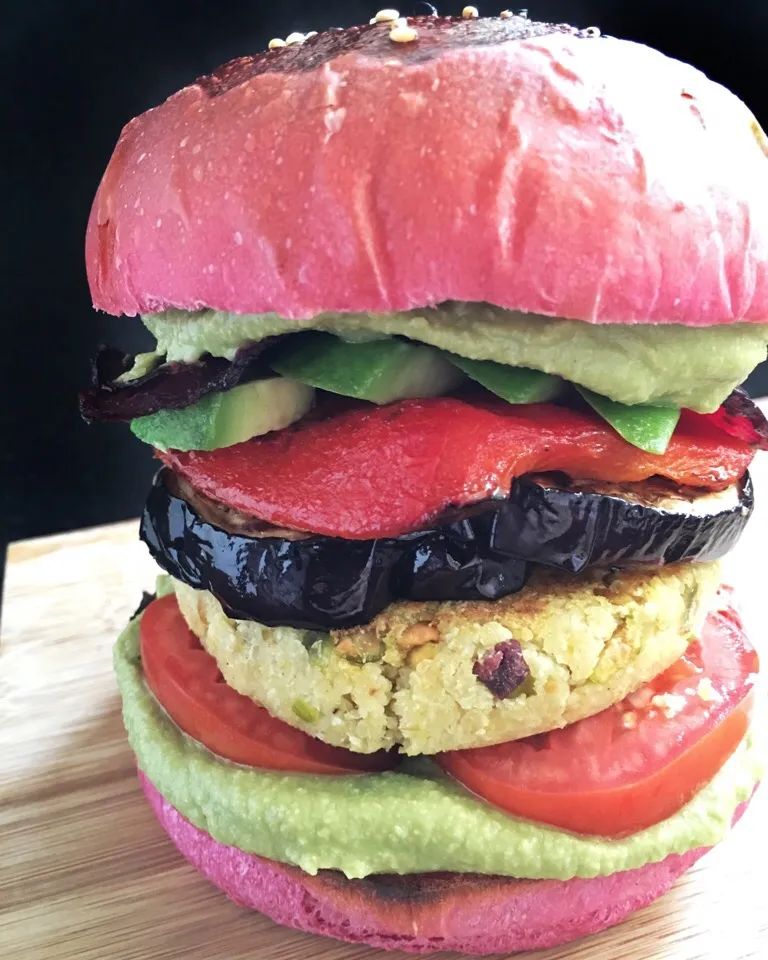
pixel 740 417
pixel 170 386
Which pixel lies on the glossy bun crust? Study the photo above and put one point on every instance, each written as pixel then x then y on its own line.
pixel 423 913
pixel 523 164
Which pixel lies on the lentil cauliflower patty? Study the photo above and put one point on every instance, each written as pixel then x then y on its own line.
pixel 408 678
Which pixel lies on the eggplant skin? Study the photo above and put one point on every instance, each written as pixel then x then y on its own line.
pixel 484 552
pixel 574 529
pixel 321 583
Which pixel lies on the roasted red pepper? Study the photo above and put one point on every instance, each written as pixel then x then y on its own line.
pixel 382 471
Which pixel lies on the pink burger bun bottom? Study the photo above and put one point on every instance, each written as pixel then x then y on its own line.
pixel 423 913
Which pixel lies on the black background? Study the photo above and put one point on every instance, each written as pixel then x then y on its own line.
pixel 75 72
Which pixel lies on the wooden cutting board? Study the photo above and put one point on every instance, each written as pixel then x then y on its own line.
pixel 87 874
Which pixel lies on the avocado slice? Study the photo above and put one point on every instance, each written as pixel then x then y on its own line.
pixel 513 384
pixel 223 419
pixel 378 370
pixel 649 428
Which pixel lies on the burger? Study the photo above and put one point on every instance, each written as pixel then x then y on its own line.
pixel 451 315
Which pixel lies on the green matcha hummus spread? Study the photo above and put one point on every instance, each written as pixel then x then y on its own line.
pixel 657 364
pixel 396 822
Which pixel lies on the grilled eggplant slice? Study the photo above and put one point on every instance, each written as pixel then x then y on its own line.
pixel 285 577
pixel 548 519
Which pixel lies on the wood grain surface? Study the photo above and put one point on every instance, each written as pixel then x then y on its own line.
pixel 87 874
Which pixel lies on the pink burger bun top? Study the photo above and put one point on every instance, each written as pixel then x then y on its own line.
pixel 498 160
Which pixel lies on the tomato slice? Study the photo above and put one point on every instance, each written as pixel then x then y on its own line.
pixel 383 471
pixel 636 763
pixel 187 682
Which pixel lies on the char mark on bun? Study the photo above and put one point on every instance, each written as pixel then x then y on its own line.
pixel 435 36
